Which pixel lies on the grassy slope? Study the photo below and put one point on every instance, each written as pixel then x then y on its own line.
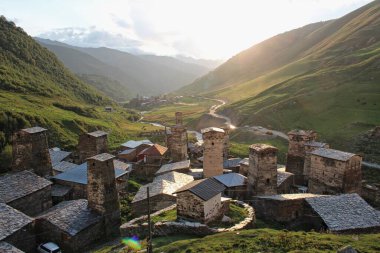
pixel 324 76
pixel 36 89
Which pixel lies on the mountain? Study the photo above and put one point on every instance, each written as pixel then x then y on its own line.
pixel 36 89
pixel 323 76
pixel 211 64
pixel 138 74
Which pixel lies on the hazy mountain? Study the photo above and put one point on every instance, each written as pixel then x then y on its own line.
pixel 324 76
pixel 143 74
pixel 211 64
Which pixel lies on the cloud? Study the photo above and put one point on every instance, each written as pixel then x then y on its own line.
pixel 120 22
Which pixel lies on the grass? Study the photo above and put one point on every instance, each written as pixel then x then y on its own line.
pixel 270 240
pixel 236 213
pixel 170 215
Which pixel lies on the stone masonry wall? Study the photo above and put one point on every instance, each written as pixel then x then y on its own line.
pixel 190 206
pixel 89 146
pixel 213 153
pixel 178 143
pixel 23 239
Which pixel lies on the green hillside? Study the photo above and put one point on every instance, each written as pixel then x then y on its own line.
pixel 323 76
pixel 36 89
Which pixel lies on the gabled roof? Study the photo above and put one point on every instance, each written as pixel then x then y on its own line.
pixel 79 174
pixel 173 166
pixel 64 166
pixel 127 151
pixel 174 177
pixel 282 176
pixel 98 133
pixel 135 144
pixel 154 150
pixel 231 179
pixel 204 188
pixel 20 184
pixel 33 130
pixel 11 220
pixel 333 154
pixel 345 212
pixel 212 129
pixel 231 163
pixel 9 248
pixel 71 216
pixel 57 155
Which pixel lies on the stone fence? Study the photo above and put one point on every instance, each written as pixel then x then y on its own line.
pixel 132 227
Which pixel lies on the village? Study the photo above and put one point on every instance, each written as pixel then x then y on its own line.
pixel 72 198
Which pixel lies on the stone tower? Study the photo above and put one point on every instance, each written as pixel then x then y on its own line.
pixel 91 144
pixel 213 146
pixel 177 140
pixel 296 153
pixel 310 146
pixel 226 148
pixel 262 172
pixel 102 193
pixel 31 151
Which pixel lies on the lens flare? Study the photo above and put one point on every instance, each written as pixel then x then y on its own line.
pixel 132 243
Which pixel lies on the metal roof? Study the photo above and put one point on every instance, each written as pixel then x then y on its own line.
pixel 333 154
pixel 71 216
pixel 231 163
pixel 231 179
pixel 204 188
pixel 173 166
pixel 11 220
pixel 20 184
pixel 127 151
pixel 79 174
pixel 33 130
pixel 345 212
pixel 98 133
pixel 212 129
pixel 57 155
pixel 135 144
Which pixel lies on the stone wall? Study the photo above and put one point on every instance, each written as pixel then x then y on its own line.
pixel 329 176
pixel 157 202
pixel 286 186
pixel 213 148
pixel 190 207
pixel 23 239
pixel 34 203
pixel 178 143
pixel 90 145
pixel 213 208
pixel 371 193
pixel 307 160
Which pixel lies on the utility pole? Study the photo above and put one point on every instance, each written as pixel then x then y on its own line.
pixel 149 247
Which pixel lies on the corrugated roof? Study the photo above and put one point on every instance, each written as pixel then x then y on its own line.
pixel 79 174
pixel 135 144
pixel 98 133
pixel 333 154
pixel 231 163
pixel 231 179
pixel 71 216
pixel 33 130
pixel 57 155
pixel 64 166
pixel 212 129
pixel 20 184
pixel 204 188
pixel 173 166
pixel 11 220
pixel 345 212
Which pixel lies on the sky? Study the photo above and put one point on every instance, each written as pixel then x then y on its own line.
pixel 208 29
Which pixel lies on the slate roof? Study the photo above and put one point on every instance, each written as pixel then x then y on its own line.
pixel 33 130
pixel 231 179
pixel 333 154
pixel 293 196
pixel 154 150
pixel 64 166
pixel 57 155
pixel 231 163
pixel 9 248
pixel 135 144
pixel 258 147
pixel 11 220
pixel 59 190
pixel 173 166
pixel 98 133
pixel 20 184
pixel 165 184
pixel 102 157
pixel 212 129
pixel 282 176
pixel 345 212
pixel 79 174
pixel 244 161
pixel 315 144
pixel 204 188
pixel 71 216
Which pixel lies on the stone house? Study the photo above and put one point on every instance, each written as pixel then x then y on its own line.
pixel 161 192
pixel 26 192
pixel 200 201
pixel 262 173
pixel 176 140
pixel 296 153
pixel 77 179
pixel 61 160
pixel 343 214
pixel 91 144
pixel 30 151
pixel 285 182
pixel 333 172
pixel 235 183
pixel 310 146
pixel 16 229
pixel 182 167
pixel 213 148
pixel 128 155
pixel 154 154
pixel 244 166
pixel 232 164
